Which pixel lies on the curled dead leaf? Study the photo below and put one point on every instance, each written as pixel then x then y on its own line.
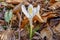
pixel 55 6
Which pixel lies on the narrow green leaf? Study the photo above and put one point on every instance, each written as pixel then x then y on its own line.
pixel 8 15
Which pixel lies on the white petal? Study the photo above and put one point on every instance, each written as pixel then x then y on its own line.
pixel 34 11
pixel 38 8
pixel 25 11
pixel 30 9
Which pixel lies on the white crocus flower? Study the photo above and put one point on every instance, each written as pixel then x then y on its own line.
pixel 31 12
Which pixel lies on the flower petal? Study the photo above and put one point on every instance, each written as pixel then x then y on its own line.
pixel 25 11
pixel 34 11
pixel 30 9
pixel 38 8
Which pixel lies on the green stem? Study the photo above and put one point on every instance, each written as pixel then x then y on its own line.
pixel 30 29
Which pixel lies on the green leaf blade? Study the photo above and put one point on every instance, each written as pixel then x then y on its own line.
pixel 8 15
